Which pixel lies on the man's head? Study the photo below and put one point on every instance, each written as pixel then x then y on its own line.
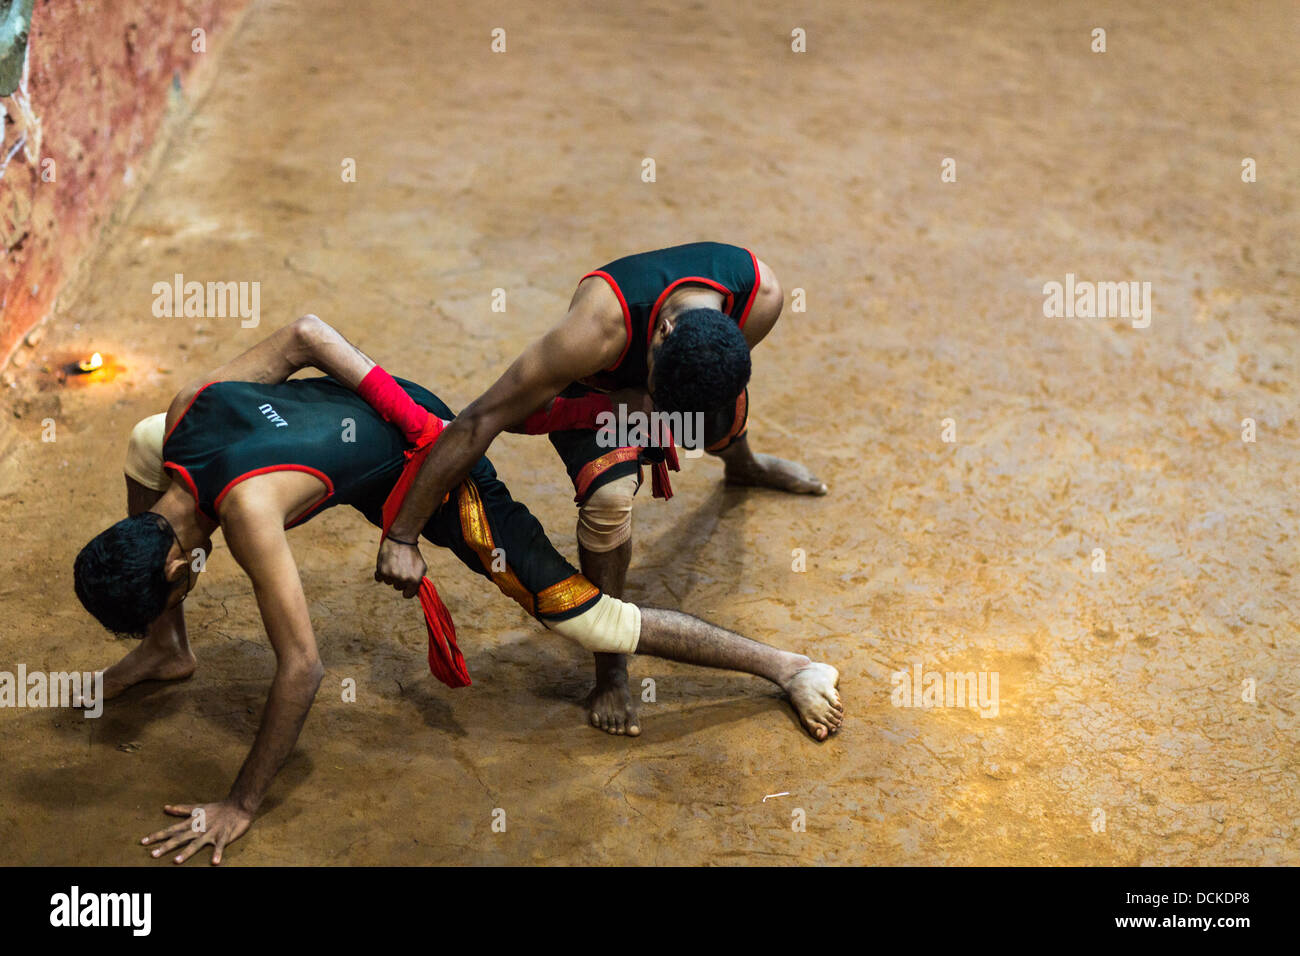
pixel 132 572
pixel 699 362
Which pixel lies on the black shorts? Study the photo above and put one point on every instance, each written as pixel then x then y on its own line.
pixel 591 464
pixel 498 537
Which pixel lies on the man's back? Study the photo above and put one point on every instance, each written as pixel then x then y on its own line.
pixel 234 431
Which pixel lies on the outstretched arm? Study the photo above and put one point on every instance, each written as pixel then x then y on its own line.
pixel 256 539
pixel 585 342
pixel 742 466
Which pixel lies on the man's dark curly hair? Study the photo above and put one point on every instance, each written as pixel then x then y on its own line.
pixel 120 576
pixel 703 364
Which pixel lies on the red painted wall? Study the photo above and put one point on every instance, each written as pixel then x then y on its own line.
pixel 101 81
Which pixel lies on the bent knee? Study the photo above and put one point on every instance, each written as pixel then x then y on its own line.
pixel 609 626
pixel 605 518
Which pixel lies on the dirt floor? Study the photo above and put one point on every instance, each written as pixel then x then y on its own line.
pixel 1120 693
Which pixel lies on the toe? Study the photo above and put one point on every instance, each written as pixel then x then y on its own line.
pixel 633 729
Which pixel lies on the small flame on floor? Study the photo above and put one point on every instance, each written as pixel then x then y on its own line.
pixel 92 363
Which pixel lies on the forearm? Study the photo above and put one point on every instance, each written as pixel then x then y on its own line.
pixel 531 381
pixel 459 447
pixel 292 692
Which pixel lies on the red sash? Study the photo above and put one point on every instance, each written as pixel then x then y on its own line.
pixel 445 660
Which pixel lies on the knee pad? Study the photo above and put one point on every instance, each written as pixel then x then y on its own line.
pixel 144 453
pixel 605 518
pixel 609 626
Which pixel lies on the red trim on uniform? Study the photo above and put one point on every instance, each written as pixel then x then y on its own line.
pixel 329 487
pixel 729 300
pixel 753 293
pixel 184 474
pixel 627 313
pixel 186 412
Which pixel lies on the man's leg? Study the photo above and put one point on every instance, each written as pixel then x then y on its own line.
pixel 163 654
pixel 610 705
pixel 605 480
pixel 604 552
pixel 811 686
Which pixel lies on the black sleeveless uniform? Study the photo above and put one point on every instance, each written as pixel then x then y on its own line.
pixel 642 283
pixel 233 431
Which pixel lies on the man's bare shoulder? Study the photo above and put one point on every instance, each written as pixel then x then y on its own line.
pixel 268 501
pixel 595 298
pixel 766 309
pixel 595 321
pixel 180 403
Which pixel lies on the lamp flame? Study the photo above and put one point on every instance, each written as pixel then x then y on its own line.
pixel 92 363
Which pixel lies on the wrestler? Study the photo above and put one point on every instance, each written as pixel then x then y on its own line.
pixel 678 323
pixel 253 454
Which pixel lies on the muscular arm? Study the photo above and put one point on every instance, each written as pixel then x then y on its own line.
pixel 253 529
pixel 256 539
pixel 307 342
pixel 744 466
pixel 587 340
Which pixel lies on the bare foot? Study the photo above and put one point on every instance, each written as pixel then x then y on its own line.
pixel 147 662
pixel 812 692
pixel 768 471
pixel 610 706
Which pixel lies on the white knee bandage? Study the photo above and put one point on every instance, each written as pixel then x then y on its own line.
pixel 609 626
pixel 605 518
pixel 144 457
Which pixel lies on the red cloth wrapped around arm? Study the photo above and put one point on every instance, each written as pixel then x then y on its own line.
pixel 445 659
pixel 564 414
pixel 384 395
